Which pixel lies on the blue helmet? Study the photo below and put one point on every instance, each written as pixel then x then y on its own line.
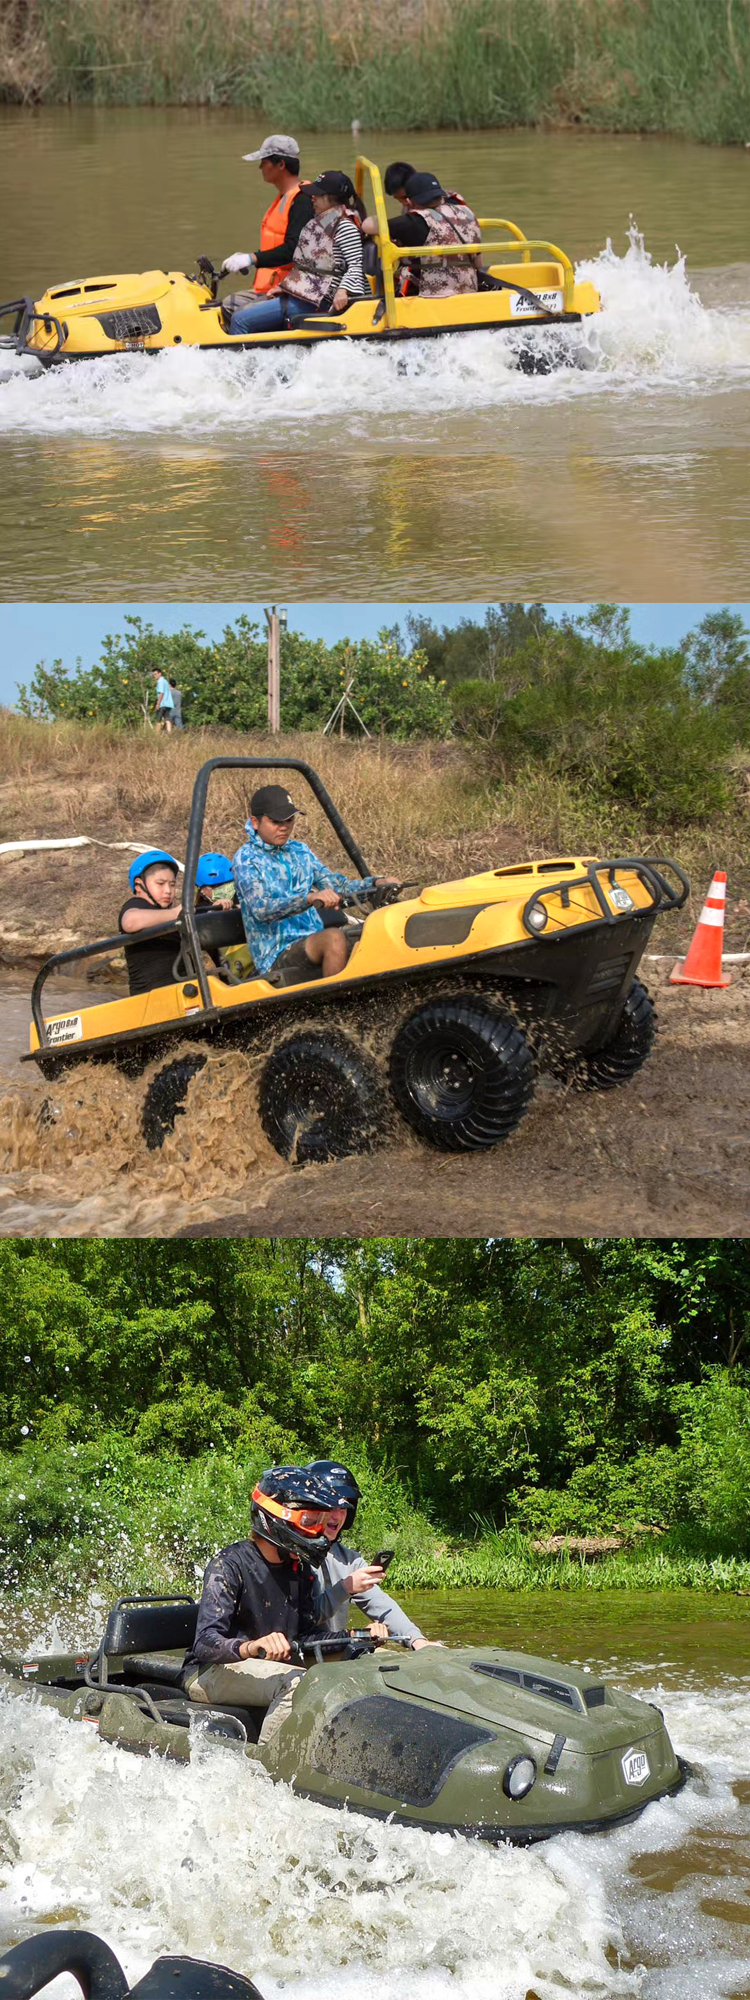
pixel 213 869
pixel 149 860
pixel 288 1508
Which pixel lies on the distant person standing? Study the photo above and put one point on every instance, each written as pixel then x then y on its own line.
pixel 176 705
pixel 164 700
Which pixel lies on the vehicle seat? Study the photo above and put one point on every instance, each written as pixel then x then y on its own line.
pixel 139 1625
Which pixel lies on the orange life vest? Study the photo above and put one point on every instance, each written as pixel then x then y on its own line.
pixel 272 232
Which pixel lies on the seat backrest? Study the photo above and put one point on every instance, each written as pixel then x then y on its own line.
pixel 150 1625
pixel 219 928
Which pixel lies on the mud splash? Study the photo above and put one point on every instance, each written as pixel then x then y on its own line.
pixel 668 1152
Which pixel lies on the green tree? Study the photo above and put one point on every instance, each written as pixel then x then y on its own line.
pixel 226 682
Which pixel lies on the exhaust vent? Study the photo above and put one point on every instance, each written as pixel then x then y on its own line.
pixel 568 1697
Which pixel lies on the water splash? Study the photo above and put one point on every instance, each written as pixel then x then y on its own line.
pixel 217 1861
pixel 653 331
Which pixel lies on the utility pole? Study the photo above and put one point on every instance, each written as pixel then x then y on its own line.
pixel 276 620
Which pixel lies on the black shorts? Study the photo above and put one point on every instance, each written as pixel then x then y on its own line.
pixel 293 965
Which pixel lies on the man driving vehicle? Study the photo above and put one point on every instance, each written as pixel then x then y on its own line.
pixel 282 225
pixel 257 1601
pixel 283 888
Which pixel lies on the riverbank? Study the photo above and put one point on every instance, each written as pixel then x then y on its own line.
pixel 597 64
pixel 105 1517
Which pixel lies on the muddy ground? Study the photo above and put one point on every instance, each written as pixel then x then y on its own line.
pixel 667 1154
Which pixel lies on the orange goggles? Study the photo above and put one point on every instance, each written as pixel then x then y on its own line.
pixel 308 1520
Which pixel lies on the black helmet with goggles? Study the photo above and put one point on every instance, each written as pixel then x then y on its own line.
pixel 289 1507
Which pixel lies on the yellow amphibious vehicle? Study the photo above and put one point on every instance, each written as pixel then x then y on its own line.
pixel 451 1001
pixel 530 284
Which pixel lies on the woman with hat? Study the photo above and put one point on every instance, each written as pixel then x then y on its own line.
pixel 327 272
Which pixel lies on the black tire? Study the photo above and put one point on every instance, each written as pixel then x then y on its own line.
pixel 461 1073
pixel 320 1098
pixel 631 1044
pixel 165 1098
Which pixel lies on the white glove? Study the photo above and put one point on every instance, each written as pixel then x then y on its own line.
pixel 242 260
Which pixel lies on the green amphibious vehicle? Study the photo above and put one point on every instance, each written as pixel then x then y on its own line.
pixel 471 1740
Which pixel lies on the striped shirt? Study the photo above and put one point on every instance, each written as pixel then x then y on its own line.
pixel 349 241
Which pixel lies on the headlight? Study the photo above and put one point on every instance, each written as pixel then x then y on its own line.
pixel 620 898
pixel 537 918
pixel 518 1777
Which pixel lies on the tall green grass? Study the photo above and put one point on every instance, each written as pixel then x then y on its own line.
pixel 102 1513
pixel 678 66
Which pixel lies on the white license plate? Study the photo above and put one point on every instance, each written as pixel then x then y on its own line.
pixel 522 308
pixel 68 1029
pixel 635 1767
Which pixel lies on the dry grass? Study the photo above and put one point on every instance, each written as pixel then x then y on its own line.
pixel 416 810
pixel 65 778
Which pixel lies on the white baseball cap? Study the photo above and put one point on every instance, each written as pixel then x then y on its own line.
pixel 279 147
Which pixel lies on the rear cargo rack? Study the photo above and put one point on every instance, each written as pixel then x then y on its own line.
pixel 26 316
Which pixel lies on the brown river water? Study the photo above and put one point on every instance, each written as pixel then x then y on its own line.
pixel 319 1905
pixel 625 475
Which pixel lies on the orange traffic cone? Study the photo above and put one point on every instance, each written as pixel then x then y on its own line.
pixel 702 967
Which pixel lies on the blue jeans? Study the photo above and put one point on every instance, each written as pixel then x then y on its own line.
pixel 269 316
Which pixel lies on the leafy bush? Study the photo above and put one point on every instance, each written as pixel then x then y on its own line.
pixel 226 682
pixel 626 723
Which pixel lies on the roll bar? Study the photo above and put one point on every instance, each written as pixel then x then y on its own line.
pixel 663 895
pixel 391 255
pixel 185 927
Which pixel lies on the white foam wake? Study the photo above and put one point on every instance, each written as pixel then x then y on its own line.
pixel 653 332
pixel 216 1861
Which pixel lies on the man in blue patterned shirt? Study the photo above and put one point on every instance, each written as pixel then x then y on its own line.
pixel 282 887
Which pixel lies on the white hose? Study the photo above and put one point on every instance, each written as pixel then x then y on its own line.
pixel 673 957
pixel 77 840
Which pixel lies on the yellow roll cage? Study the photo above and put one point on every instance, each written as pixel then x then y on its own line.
pixel 391 255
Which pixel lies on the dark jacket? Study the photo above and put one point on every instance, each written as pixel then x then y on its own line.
pixel 245 1595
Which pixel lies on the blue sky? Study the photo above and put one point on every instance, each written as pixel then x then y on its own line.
pixel 33 632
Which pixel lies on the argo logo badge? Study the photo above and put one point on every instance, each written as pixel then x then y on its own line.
pixel 69 1028
pixel 635 1767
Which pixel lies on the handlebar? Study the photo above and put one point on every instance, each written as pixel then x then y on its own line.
pixel 209 275
pixel 380 897
pixel 335 1646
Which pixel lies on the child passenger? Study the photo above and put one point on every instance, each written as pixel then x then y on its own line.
pixel 150 960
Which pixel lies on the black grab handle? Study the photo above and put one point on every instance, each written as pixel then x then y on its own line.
pixel 32 1964
pixel 29 1966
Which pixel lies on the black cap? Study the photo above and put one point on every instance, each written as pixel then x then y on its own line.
pixel 335 184
pixel 422 189
pixel 272 802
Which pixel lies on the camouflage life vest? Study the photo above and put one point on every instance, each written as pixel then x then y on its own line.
pixel 319 264
pixel 441 277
